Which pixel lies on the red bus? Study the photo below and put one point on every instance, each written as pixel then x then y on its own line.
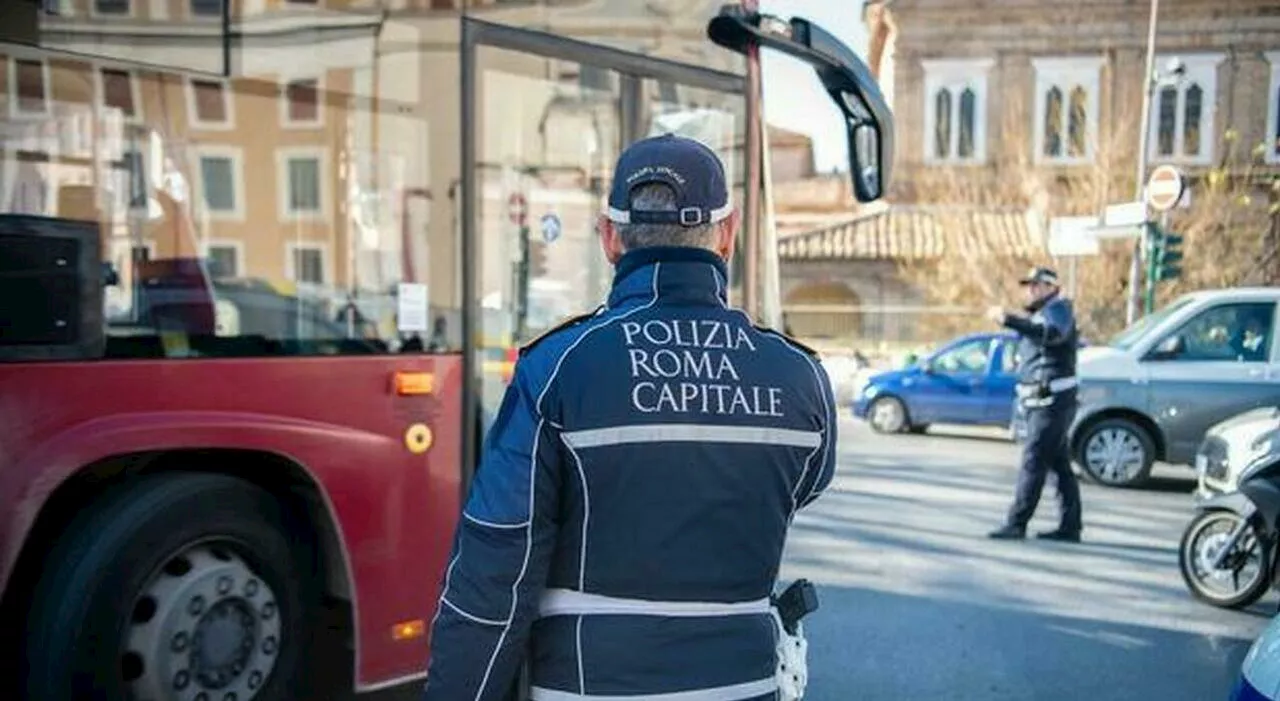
pixel 262 268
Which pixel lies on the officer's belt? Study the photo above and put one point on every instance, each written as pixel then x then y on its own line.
pixel 734 692
pixel 567 602
pixel 1062 384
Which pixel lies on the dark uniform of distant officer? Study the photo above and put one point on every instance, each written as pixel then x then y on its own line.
pixel 627 521
pixel 1047 397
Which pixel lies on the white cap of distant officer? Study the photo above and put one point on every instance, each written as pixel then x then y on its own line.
pixel 1040 283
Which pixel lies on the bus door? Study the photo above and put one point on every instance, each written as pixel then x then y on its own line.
pixel 552 114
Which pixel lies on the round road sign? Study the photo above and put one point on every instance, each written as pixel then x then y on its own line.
pixel 550 227
pixel 517 209
pixel 1164 188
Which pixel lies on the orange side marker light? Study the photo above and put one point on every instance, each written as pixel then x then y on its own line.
pixel 414 383
pixel 408 630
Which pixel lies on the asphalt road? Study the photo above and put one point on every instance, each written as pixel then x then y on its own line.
pixel 916 603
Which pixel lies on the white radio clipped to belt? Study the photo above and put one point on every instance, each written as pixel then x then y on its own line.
pixel 797 601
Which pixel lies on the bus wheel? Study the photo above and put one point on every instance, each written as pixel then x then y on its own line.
pixel 178 587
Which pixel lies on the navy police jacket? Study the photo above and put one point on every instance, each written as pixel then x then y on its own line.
pixel 1049 341
pixel 626 524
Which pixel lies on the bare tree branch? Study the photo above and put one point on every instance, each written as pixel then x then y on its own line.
pixel 1228 228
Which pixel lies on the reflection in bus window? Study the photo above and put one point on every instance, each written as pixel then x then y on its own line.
pixel 717 120
pixel 307 233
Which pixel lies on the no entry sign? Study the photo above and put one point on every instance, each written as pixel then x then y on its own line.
pixel 1164 188
pixel 517 209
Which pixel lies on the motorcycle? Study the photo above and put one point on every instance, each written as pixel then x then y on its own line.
pixel 1228 552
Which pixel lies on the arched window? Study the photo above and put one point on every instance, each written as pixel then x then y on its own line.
pixel 1182 126
pixel 942 124
pixel 1066 95
pixel 1168 124
pixel 968 118
pixel 1078 124
pixel 1193 114
pixel 954 105
pixel 1053 122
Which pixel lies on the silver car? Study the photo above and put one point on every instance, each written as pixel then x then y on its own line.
pixel 1152 392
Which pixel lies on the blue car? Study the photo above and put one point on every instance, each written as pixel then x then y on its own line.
pixel 967 381
pixel 1259 678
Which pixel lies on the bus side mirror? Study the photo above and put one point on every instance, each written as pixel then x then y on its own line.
pixel 868 120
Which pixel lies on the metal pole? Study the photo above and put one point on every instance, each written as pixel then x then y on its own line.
pixel 1148 85
pixel 751 208
pixel 469 306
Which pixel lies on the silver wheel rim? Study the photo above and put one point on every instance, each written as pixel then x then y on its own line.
pixel 1202 548
pixel 1114 455
pixel 886 415
pixel 204 628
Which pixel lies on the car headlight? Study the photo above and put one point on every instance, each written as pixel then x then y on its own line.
pixel 1211 459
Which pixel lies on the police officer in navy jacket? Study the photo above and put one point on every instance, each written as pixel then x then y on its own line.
pixel 626 524
pixel 1046 392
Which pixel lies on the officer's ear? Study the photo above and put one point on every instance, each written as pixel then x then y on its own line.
pixel 727 234
pixel 610 239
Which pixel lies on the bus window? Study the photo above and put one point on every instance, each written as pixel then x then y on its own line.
pixel 308 234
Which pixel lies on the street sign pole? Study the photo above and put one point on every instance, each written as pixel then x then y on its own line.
pixel 1148 87
pixel 1165 189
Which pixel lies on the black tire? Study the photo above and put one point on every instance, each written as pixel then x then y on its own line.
pixel 90 594
pixel 918 428
pixel 892 407
pixel 1128 433
pixel 1186 558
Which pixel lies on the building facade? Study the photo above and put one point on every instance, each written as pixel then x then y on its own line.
pixel 1034 107
pixel 1056 88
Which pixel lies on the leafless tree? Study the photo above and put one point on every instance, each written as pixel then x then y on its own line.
pixel 1229 228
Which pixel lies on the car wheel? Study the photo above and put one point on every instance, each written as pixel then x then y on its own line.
pixel 1116 453
pixel 1241 580
pixel 888 415
pixel 178 587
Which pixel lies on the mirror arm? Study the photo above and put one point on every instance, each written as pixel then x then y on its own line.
pixel 839 69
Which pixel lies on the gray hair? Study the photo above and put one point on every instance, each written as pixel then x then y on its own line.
pixel 658 197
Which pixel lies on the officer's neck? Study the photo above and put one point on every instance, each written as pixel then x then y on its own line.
pixel 670 273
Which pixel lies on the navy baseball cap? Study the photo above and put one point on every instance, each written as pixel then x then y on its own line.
pixel 1040 274
pixel 691 169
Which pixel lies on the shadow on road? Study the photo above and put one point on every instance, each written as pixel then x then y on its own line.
pixel 918 603
pixel 896 647
pixel 960 433
pixel 1169 485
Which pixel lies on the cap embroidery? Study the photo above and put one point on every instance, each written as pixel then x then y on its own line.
pixel 650 170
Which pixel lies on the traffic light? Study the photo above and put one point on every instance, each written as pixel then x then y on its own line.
pixel 1164 261
pixel 1168 256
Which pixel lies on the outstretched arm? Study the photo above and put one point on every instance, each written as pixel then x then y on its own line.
pixel 1054 330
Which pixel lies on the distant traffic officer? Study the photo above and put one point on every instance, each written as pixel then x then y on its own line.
pixel 1047 398
pixel 625 528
